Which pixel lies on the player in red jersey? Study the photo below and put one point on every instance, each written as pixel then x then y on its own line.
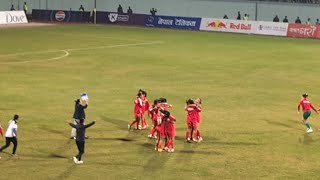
pixel 145 108
pixel 169 130
pixel 164 104
pixel 306 107
pixel 192 119
pixel 153 110
pixel 160 131
pixel 138 104
pixel 1 130
pixel 198 103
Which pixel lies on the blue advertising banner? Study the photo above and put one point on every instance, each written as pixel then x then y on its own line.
pixel 173 22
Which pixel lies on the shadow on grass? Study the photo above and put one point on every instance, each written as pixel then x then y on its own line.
pixel 121 124
pixel 59 151
pixel 199 152
pixel 276 123
pixel 307 139
pixel 234 143
pixel 67 173
pixel 118 164
pixel 113 139
pixel 53 131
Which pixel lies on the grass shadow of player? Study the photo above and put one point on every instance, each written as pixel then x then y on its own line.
pixel 118 164
pixel 156 160
pixel 307 139
pixel 276 123
pixel 67 173
pixel 53 131
pixel 59 151
pixel 121 124
pixel 113 139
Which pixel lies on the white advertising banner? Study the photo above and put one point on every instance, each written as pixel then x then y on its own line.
pixel 226 25
pixel 272 28
pixel 12 17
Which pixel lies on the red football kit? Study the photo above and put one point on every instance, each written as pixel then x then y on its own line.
pixel 138 107
pixel 193 116
pixel 170 130
pixel 306 105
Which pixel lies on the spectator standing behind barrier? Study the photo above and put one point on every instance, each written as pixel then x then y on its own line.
pixel 129 11
pixel 153 11
pixel 120 10
pixel 81 8
pixel 246 17
pixel 12 8
pixel 225 17
pixel 285 20
pixel 308 21
pixel 25 7
pixel 239 16
pixel 298 21
pixel 276 19
pixel 317 22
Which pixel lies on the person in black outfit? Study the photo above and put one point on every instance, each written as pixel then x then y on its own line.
pixel 80 140
pixel 78 114
pixel 120 10
pixel 129 11
pixel 285 20
pixel 153 11
pixel 225 17
pixel 298 21
pixel 239 16
pixel 276 19
pixel 12 8
pixel 81 8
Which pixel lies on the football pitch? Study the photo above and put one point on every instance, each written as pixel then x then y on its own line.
pixel 250 87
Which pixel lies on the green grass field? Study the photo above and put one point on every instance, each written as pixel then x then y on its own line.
pixel 250 86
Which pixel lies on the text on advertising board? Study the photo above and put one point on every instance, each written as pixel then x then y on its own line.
pixel 114 17
pixel 12 18
pixel 176 21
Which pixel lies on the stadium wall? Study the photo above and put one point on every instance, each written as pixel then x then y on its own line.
pixel 186 8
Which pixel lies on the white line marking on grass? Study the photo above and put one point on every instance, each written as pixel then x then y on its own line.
pixel 116 46
pixel 81 36
pixel 67 51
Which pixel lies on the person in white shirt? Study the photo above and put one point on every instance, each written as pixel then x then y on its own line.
pixel 12 134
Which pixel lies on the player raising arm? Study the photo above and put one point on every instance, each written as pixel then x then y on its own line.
pixel 306 107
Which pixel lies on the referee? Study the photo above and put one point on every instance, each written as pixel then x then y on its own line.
pixel 12 134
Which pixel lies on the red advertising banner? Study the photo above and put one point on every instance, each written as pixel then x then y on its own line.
pixel 304 30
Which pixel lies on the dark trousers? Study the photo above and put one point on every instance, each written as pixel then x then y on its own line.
pixel 80 145
pixel 15 144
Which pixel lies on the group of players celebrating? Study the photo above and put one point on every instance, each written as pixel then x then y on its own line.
pixel 163 123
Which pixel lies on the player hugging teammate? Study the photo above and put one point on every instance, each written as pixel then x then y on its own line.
pixel 193 119
pixel 163 128
pixel 141 105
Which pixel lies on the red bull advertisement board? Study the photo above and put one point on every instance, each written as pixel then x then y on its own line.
pixel 226 25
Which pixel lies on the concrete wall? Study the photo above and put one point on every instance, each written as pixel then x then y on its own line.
pixel 192 8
